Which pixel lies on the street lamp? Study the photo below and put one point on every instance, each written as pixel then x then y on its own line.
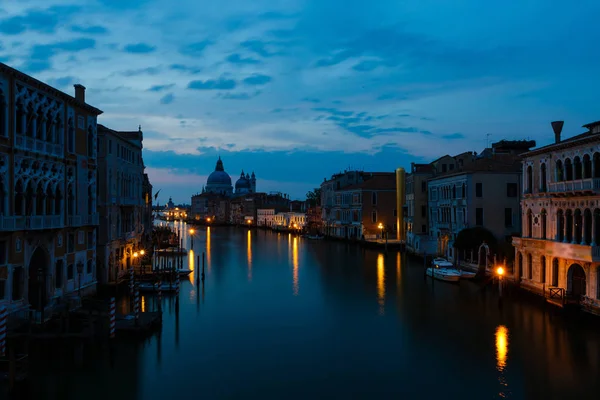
pixel 500 272
pixel 380 226
pixel 192 237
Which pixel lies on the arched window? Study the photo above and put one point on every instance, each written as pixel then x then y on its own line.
pixel 560 176
pixel 544 224
pixel 49 129
pixel 569 226
pixel 19 198
pixel 90 142
pixel 20 119
pixel 57 201
pixel 578 226
pixel 568 170
pixel 529 266
pixel 529 179
pixel 70 201
pixel 529 223
pixel 454 191
pixel 543 178
pixel 30 122
pixel 587 226
pixel 91 207
pixel 543 269
pixel 577 168
pixel 2 196
pixel 587 167
pixel 40 198
pixel 50 201
pixel 3 119
pixel 29 198
pixel 596 165
pixel 464 190
pixel 555 272
pixel 70 136
pixel 560 225
pixel 40 127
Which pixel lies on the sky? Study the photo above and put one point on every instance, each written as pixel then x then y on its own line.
pixel 297 90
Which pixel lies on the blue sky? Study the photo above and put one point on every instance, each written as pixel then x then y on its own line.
pixel 298 90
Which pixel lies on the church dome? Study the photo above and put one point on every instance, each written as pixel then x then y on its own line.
pixel 219 176
pixel 242 183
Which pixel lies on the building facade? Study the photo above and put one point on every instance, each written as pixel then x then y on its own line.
pixel 359 209
pixel 48 175
pixel 417 222
pixel 122 202
pixel 558 253
pixel 265 217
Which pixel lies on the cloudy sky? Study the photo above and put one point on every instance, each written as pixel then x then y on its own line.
pixel 297 90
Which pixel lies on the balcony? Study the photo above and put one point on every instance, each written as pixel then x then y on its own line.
pixel 574 187
pixel 35 222
pixel 83 220
pixel 38 146
pixel 572 251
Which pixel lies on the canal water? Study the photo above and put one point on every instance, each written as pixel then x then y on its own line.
pixel 283 317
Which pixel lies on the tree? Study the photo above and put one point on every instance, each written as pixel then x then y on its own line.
pixel 313 197
pixel 472 238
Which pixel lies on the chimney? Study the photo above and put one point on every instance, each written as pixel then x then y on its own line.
pixel 79 92
pixel 557 128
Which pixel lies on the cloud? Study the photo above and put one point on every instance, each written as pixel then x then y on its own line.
pixel 185 68
pixel 238 96
pixel 40 55
pixel 139 48
pixel 36 20
pixel 63 81
pixel 311 100
pixel 453 136
pixel 213 84
pixel 160 88
pixel 257 79
pixel 257 46
pixel 141 71
pixel 238 59
pixel 195 49
pixel 90 30
pixel 167 99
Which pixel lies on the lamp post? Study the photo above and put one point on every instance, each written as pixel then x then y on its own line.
pixel 500 272
pixel 192 237
pixel 142 253
pixel 380 226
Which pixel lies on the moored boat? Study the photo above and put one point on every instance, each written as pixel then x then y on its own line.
pixel 184 272
pixel 315 237
pixel 467 274
pixel 152 287
pixel 443 270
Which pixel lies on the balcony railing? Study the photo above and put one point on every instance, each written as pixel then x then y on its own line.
pixel 574 186
pixel 83 220
pixel 35 222
pixel 580 252
pixel 38 146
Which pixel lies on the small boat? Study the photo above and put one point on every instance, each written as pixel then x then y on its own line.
pixel 315 237
pixel 172 251
pixel 467 274
pixel 184 271
pixel 443 270
pixel 152 287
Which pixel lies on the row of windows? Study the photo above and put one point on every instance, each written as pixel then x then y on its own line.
pixel 453 192
pixel 567 170
pixel 125 154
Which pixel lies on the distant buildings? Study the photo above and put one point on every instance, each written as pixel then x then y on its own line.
pixel 124 194
pixel 558 253
pixel 355 203
pixel 48 178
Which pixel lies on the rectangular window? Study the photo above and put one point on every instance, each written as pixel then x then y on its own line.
pixel 89 266
pixel 71 243
pixel 423 211
pixel 479 216
pixel 374 216
pixel 374 198
pixel 451 167
pixel 423 187
pixel 444 168
pixel 60 272
pixel 479 189
pixel 508 217
pixel 90 240
pixel 70 272
pixel 511 190
pixel 80 237
pixel 2 288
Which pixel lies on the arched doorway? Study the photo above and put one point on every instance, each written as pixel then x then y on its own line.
pixel 576 281
pixel 38 275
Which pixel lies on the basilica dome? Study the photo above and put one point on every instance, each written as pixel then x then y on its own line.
pixel 219 176
pixel 243 182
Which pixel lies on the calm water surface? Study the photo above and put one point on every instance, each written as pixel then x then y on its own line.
pixel 282 317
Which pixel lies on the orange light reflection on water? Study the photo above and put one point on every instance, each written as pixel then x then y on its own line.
pixel 501 347
pixel 208 264
pixel 381 283
pixel 249 255
pixel 191 260
pixel 295 266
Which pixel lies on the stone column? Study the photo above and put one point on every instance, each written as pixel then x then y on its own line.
pixel 564 228
pixel 583 228
pixel 574 230
pixel 594 222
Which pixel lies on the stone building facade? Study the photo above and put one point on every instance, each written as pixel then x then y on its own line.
pixel 48 175
pixel 558 253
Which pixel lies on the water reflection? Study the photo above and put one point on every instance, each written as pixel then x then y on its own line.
pixel 381 283
pixel 501 347
pixel 501 356
pixel 143 303
pixel 398 271
pixel 191 265
pixel 208 248
pixel 295 265
pixel 249 255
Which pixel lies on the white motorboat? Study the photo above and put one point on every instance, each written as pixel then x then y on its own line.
pixel 443 270
pixel 184 271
